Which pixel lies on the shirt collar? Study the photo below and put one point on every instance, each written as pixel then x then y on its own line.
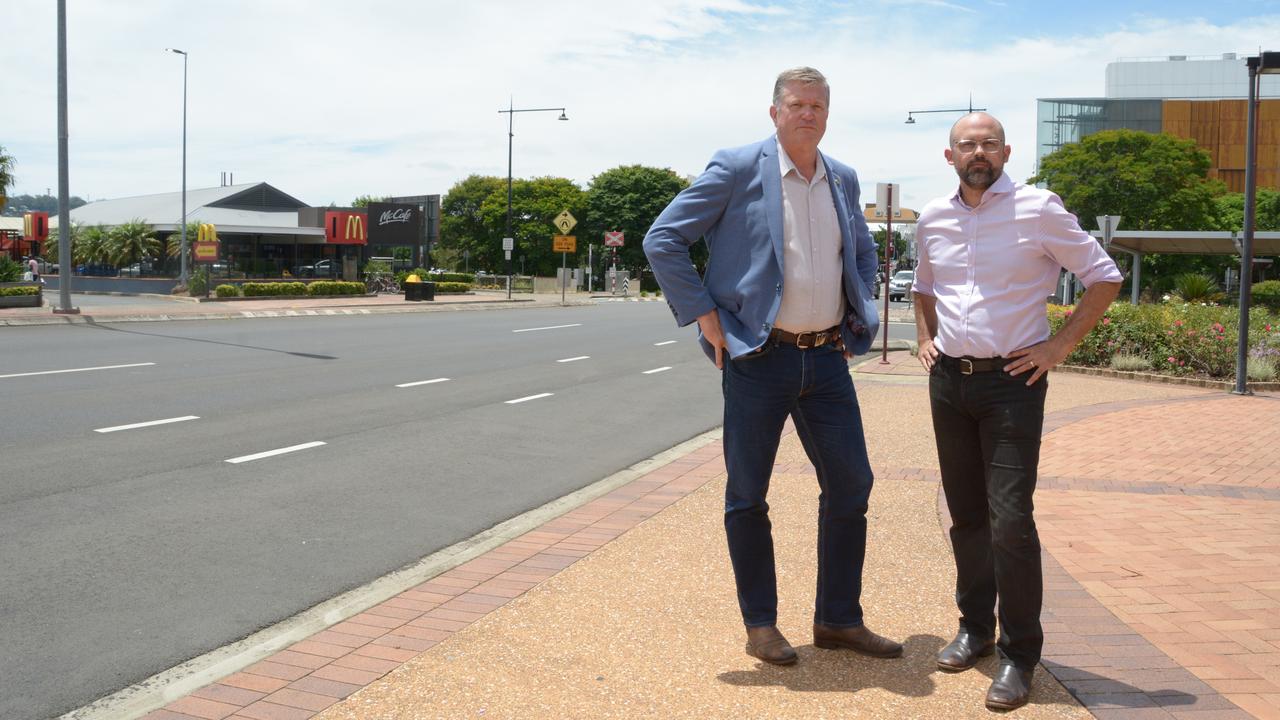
pixel 1003 184
pixel 787 166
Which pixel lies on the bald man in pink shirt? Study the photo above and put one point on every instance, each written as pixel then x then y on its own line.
pixel 989 256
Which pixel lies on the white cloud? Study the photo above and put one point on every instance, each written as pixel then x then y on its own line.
pixel 331 100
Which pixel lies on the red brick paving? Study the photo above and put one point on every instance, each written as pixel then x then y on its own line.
pixel 1161 548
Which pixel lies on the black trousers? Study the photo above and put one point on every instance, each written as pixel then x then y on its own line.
pixel 987 427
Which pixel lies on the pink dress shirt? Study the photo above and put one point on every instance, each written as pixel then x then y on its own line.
pixel 992 267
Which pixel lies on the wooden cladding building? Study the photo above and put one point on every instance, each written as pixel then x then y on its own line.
pixel 1220 127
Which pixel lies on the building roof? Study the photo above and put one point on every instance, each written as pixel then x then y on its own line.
pixel 1206 242
pixel 250 208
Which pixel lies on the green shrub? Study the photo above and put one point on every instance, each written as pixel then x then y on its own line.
pixel 19 291
pixel 10 271
pixel 1196 288
pixel 1267 294
pixel 269 289
pixel 224 291
pixel 335 287
pixel 198 281
pixel 446 288
pixel 1130 363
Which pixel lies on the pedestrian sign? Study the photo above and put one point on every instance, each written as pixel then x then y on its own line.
pixel 564 222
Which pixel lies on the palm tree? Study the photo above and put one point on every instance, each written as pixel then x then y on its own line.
pixel 6 176
pixel 91 246
pixel 131 242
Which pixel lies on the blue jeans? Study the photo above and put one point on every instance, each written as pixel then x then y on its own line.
pixel 813 387
pixel 987 426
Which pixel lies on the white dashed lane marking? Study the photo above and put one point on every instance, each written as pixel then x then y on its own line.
pixel 422 382
pixel 55 372
pixel 575 359
pixel 664 368
pixel 549 327
pixel 149 423
pixel 528 398
pixel 273 453
pixel 660 344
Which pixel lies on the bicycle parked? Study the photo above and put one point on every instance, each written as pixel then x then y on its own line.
pixel 381 283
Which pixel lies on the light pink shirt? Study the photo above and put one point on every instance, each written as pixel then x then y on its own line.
pixel 992 267
pixel 812 294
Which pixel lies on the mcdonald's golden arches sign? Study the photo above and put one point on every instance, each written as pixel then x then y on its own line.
pixel 342 227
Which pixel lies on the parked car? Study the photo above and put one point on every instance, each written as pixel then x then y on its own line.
pixel 139 269
pixel 321 268
pixel 900 285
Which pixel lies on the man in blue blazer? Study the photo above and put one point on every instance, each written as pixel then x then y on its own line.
pixel 786 296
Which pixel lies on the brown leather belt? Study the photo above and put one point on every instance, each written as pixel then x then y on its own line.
pixel 808 339
pixel 971 365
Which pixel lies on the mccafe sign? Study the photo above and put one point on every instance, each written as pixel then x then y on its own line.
pixel 394 224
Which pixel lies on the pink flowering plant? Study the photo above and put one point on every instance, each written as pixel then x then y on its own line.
pixel 1176 338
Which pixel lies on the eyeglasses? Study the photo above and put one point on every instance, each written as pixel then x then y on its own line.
pixel 990 145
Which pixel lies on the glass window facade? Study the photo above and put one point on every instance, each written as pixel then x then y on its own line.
pixel 1068 120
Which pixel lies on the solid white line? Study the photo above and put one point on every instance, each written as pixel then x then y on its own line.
pixel 549 327
pixel 531 397
pixel 657 370
pixel 572 359
pixel 669 342
pixel 55 372
pixel 270 453
pixel 423 382
pixel 147 424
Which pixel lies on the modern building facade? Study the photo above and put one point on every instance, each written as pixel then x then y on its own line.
pixel 1200 98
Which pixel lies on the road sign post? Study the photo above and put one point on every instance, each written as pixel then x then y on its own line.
pixel 508 244
pixel 564 244
pixel 884 200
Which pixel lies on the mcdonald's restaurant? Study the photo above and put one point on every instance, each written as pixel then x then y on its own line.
pixel 256 232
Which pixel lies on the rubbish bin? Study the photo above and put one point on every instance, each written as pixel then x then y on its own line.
pixel 417 291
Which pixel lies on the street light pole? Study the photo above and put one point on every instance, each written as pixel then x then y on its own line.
pixel 511 113
pixel 65 263
pixel 1266 63
pixel 182 277
pixel 971 109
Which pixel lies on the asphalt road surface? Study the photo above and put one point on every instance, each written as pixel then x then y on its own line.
pixel 169 488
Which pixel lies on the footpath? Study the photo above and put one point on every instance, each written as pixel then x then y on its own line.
pixel 1157 508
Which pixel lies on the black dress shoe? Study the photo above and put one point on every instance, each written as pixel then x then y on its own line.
pixel 964 651
pixel 1010 689
pixel 858 639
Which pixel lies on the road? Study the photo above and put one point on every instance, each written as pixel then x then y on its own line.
pixel 192 482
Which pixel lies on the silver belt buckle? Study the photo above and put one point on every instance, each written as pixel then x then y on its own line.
pixel 966 366
pixel 800 340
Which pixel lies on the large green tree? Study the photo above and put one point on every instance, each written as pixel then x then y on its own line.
pixel 19 204
pixel 629 198
pixel 534 204
pixel 462 225
pixel 1155 181
pixel 1266 210
pixel 6 176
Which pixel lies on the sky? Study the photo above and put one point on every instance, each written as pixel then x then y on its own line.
pixel 330 100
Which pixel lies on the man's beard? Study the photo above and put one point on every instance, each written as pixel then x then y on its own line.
pixel 979 178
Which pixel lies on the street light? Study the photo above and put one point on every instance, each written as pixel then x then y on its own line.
pixel 182 277
pixel 1267 63
pixel 511 113
pixel 912 121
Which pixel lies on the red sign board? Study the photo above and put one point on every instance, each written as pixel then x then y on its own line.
pixel 35 226
pixel 613 239
pixel 346 228
pixel 205 251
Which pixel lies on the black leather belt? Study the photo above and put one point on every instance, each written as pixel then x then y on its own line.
pixel 808 339
pixel 970 365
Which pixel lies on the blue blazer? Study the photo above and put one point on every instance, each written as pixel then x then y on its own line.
pixel 736 205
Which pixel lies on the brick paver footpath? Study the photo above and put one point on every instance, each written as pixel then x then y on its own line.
pixel 1159 512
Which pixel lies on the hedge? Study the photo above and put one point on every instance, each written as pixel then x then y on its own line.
pixel 1267 294
pixel 261 289
pixel 335 287
pixel 445 288
pixel 1176 338
pixel 428 276
pixel 224 291
pixel 19 291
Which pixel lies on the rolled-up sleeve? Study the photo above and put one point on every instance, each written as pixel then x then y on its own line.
pixel 1073 248
pixel 923 282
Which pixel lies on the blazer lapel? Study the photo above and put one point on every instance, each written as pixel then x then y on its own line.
pixel 771 181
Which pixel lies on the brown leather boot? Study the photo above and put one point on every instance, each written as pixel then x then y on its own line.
pixel 858 639
pixel 767 644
